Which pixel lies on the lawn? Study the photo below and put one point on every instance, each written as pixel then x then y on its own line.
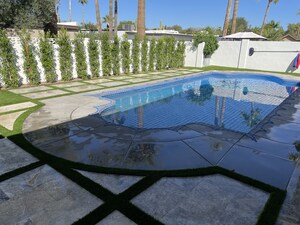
pixel 8 98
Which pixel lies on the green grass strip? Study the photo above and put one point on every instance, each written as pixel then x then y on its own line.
pixel 136 214
pixel 89 185
pixel 139 187
pixel 271 211
pixel 221 68
pixel 20 170
pixel 8 98
pixel 96 215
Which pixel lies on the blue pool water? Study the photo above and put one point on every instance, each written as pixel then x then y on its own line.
pixel 234 102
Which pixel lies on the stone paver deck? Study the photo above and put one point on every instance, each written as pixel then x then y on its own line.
pixel 44 195
pixel 45 94
pixel 71 84
pixel 13 157
pixel 8 120
pixel 18 106
pixel 176 201
pixel 30 89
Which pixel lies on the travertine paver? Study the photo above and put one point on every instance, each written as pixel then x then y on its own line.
pixel 45 94
pixel 83 88
pixel 156 77
pixel 119 77
pixel 71 84
pixel 136 80
pixel 116 218
pixel 202 200
pixel 115 83
pixel 8 120
pixel 18 106
pixel 12 157
pixel 172 74
pixel 258 165
pixel 60 110
pixel 114 183
pixel 30 89
pixel 155 72
pixel 98 81
pixel 290 211
pixel 139 75
pixel 43 196
pixel 186 72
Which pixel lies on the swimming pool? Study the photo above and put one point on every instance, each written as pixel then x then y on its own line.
pixel 235 102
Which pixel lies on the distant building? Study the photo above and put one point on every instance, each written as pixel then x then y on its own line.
pixel 289 37
pixel 244 35
pixel 158 33
pixel 69 26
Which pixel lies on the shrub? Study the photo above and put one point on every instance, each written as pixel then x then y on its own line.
pixel 152 54
pixel 180 54
pixel 170 44
pixel 115 52
pixel 8 60
pixel 211 43
pixel 80 56
pixel 160 54
pixel 30 64
pixel 136 54
pixel 94 56
pixel 125 52
pixel 65 58
pixel 144 53
pixel 47 57
pixel 106 54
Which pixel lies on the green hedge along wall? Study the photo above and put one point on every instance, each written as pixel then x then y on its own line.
pixel 116 56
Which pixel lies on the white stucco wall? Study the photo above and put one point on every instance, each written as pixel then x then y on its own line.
pixel 269 55
pixel 227 54
pixel 193 56
pixel 276 56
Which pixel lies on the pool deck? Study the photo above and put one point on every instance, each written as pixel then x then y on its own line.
pixel 45 194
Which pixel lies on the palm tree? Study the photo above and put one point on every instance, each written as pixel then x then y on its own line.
pixel 223 112
pixel 253 118
pixel 141 19
pixel 116 17
pixel 105 19
pixel 82 2
pixel 110 22
pixel 57 2
pixel 70 10
pixel 217 111
pixel 99 27
pixel 226 21
pixel 266 13
pixel 235 9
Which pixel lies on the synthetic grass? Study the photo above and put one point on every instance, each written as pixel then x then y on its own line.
pixel 8 98
pixel 20 170
pixel 220 68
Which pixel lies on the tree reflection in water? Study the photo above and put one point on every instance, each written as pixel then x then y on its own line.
pixel 200 95
pixel 116 118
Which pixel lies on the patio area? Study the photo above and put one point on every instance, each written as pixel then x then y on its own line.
pixel 191 174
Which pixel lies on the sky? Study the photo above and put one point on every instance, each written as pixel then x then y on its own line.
pixel 187 13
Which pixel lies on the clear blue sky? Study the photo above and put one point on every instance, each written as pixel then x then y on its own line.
pixel 188 13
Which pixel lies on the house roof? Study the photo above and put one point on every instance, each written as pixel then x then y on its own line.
pixel 290 37
pixel 245 35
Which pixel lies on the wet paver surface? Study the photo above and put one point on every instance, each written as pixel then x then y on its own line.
pixel 258 155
